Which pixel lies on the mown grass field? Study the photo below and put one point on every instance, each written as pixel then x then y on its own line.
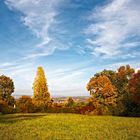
pixel 68 127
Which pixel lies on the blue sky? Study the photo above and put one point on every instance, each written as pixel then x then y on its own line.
pixel 70 39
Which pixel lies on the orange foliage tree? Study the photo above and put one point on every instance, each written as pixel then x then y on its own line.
pixel 120 79
pixel 24 104
pixel 102 91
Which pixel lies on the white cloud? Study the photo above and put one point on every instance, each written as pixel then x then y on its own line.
pixel 113 27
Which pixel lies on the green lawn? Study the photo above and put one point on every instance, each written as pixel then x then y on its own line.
pixel 68 127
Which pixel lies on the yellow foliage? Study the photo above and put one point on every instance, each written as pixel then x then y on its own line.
pixel 40 88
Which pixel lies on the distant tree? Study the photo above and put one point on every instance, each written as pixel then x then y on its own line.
pixel 24 103
pixel 6 89
pixel 102 91
pixel 40 88
pixel 70 101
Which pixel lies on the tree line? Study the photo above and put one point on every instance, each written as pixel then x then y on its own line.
pixel 111 93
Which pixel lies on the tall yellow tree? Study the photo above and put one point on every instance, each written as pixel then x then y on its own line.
pixel 40 89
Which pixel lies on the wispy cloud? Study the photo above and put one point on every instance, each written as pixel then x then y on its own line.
pixel 115 27
pixel 39 16
pixel 69 79
pixel 112 29
pixel 22 75
pixel 6 64
pixel 68 83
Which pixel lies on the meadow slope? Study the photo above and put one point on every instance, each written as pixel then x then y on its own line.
pixel 68 127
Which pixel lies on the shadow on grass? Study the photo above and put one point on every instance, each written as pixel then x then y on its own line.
pixel 15 118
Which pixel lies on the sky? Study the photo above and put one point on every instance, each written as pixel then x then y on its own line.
pixel 71 39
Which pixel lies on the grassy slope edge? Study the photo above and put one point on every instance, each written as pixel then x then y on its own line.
pixel 40 126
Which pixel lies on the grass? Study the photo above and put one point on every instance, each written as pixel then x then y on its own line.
pixel 68 127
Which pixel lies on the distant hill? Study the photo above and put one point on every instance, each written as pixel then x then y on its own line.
pixel 60 98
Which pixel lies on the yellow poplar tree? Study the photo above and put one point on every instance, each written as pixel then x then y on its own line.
pixel 40 89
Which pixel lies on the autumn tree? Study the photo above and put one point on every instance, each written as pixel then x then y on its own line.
pixel 24 104
pixel 41 95
pixel 6 89
pixel 120 79
pixel 123 75
pixel 134 87
pixel 102 91
pixel 109 73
